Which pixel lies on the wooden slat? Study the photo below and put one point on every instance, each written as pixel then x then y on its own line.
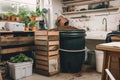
pixel 39 57
pixel 46 72
pixel 41 62
pixel 42 67
pixel 8 39
pixel 50 38
pixel 7 35
pixel 45 32
pixel 18 49
pixel 47 43
pixel 47 53
pixel 47 48
pixel 16 40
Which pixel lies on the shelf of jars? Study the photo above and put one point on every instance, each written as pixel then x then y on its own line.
pixel 91 11
pixel 82 2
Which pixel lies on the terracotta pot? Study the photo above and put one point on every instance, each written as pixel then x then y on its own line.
pixel 34 28
pixel 61 21
pixel 18 19
pixel 13 18
pixel 8 18
pixel 32 18
pixel 26 28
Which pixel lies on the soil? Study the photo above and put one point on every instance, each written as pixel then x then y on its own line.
pixel 65 28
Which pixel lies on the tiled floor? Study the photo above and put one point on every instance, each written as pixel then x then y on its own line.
pixel 67 76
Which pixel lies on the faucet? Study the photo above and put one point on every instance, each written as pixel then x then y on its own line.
pixel 105 22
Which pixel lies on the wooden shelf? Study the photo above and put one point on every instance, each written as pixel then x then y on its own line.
pixel 83 2
pixel 91 11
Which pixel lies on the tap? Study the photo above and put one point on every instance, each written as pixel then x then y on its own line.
pixel 105 22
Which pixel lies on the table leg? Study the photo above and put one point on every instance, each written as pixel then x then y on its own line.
pixel 108 66
pixel 105 65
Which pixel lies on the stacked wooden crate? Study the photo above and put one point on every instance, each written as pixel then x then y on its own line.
pixel 13 42
pixel 47 52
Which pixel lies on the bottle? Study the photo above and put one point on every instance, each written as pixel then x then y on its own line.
pixel 119 26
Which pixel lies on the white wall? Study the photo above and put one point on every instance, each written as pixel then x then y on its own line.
pixel 54 8
pixel 29 4
pixel 57 10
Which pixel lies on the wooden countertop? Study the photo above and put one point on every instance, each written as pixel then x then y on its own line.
pixel 109 47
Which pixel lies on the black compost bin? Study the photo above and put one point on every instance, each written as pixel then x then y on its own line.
pixel 72 50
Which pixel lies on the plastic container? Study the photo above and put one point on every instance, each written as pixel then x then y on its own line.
pixel 99 60
pixel 20 70
pixel 91 59
pixel 71 59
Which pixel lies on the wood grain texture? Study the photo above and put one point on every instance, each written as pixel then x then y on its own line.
pixel 17 49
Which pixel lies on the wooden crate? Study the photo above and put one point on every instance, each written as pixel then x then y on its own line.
pixel 6 41
pixel 47 65
pixel 47 52
pixel 16 42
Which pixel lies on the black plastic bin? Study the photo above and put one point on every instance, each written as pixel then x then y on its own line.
pixel 72 50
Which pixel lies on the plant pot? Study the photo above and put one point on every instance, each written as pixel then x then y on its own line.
pixel 32 18
pixel 34 28
pixel 26 28
pixel 8 18
pixel 13 18
pixel 18 19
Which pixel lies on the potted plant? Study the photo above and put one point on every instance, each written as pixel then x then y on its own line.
pixel 9 14
pixel 32 15
pixel 19 64
pixel 40 14
pixel 22 13
pixel 3 16
pixel 18 19
pixel 26 20
pixel 33 26
pixel 13 17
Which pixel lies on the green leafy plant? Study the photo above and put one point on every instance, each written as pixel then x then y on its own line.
pixel 20 58
pixel 32 13
pixel 32 24
pixel 22 13
pixel 38 12
pixel 3 16
pixel 10 14
pixel 26 20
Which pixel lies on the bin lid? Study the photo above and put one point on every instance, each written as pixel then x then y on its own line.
pixel 72 33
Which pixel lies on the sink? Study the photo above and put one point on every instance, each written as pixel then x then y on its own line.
pixel 99 35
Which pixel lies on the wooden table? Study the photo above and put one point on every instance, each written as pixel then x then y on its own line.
pixel 111 60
